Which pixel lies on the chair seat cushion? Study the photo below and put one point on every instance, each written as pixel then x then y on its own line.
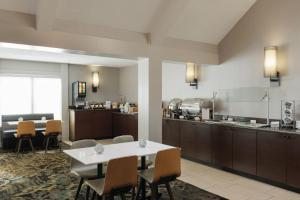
pixel 86 171
pixel 147 175
pixel 97 185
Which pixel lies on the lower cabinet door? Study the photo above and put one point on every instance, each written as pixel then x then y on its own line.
pixel 293 160
pixel 171 131
pixel 203 147
pixel 187 139
pixel 271 156
pixel 222 146
pixel 244 150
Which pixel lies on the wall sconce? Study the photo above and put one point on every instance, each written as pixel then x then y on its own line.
pixel 191 75
pixel 270 66
pixel 95 83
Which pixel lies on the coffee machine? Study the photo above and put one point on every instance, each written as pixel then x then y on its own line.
pixel 78 94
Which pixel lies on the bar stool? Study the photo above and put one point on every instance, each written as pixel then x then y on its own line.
pixel 25 131
pixel 121 177
pixel 167 168
pixel 53 129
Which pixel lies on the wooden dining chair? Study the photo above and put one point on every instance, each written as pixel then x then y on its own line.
pixel 85 172
pixel 129 138
pixel 25 131
pixel 121 177
pixel 167 168
pixel 53 130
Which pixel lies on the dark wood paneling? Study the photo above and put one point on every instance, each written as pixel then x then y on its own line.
pixel 125 124
pixel 244 150
pixel 222 146
pixel 187 139
pixel 203 142
pixel 271 156
pixel 90 124
pixel 293 160
pixel 171 132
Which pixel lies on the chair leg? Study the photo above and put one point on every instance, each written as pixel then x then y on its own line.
pixel 31 145
pixel 47 143
pixel 154 191
pixel 19 145
pixel 138 192
pixel 79 188
pixel 122 197
pixel 94 195
pixel 133 193
pixel 169 191
pixel 87 196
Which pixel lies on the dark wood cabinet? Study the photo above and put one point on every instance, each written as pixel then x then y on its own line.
pixel 203 149
pixel 271 156
pixel 125 124
pixel 293 160
pixel 90 124
pixel 244 150
pixel 187 139
pixel 222 145
pixel 171 133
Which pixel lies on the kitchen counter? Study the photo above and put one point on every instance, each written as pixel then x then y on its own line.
pixel 241 125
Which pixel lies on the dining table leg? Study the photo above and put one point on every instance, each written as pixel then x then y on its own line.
pixel 100 170
pixel 143 182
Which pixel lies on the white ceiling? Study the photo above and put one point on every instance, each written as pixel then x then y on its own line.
pixel 205 21
pixel 209 20
pixel 42 54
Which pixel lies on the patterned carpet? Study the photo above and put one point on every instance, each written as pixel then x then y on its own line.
pixel 47 176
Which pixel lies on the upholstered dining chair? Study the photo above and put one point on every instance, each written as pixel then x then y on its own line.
pixel 53 130
pixel 129 138
pixel 167 168
pixel 121 177
pixel 25 131
pixel 85 172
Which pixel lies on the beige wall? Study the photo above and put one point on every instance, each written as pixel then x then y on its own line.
pixel 109 89
pixel 129 83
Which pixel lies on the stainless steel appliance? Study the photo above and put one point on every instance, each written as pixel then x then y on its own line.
pixel 78 93
pixel 174 107
pixel 191 108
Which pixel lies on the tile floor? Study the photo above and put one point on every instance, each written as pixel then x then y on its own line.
pixel 229 185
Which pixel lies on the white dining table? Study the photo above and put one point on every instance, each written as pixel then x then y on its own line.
pixel 88 156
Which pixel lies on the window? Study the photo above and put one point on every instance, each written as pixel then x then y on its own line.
pixel 25 95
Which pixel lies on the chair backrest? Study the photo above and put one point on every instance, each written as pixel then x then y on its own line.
pixel 26 128
pixel 167 164
pixel 53 126
pixel 123 138
pixel 121 172
pixel 81 144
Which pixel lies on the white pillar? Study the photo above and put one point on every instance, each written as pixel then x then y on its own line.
pixel 65 100
pixel 150 98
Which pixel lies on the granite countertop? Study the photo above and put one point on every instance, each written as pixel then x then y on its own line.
pixel 267 129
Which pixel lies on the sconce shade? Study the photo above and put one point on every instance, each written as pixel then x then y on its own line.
pixel 95 81
pixel 270 68
pixel 191 75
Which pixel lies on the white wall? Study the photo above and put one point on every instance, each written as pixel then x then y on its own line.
pixel 129 83
pixel 109 82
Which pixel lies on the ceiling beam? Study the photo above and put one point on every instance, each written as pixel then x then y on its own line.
pixel 45 14
pixel 165 19
pixel 76 27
